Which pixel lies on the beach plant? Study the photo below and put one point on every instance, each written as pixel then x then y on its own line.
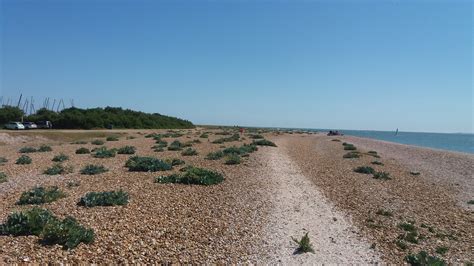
pixel 24 159
pixel 175 146
pixel 60 158
pixel 92 169
pixel 189 152
pixel 470 202
pixel 197 141
pixel 193 175
pixel 106 198
pixel 41 195
pixel 3 160
pixel 188 144
pixel 79 142
pixel 44 148
pixel 234 137
pixel 377 163
pixel 382 175
pixel 364 170
pixel 112 138
pixel 3 177
pixel 97 142
pixel 126 150
pixel 73 183
pixel 401 244
pixel 174 161
pixel 372 152
pixel 83 150
pixel 384 213
pixel 263 142
pixel 351 155
pixel 350 147
pixel 28 150
pixel 104 153
pixel 232 159
pixel 57 169
pixel 41 222
pixel 256 136
pixel 422 259
pixel 214 155
pixel 415 173
pixel 441 250
pixel 304 244
pixel 131 137
pixel 146 164
pixel 161 143
pixel 204 136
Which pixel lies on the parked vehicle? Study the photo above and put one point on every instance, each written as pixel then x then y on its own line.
pixel 14 125
pixel 30 125
pixel 44 124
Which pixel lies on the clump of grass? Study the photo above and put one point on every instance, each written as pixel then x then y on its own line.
pixel 3 177
pixel 189 152
pixel 97 142
pixel 401 244
pixel 106 198
pixel 304 244
pixel 442 250
pixel 188 144
pixel 232 159
pixel 377 163
pixel 407 226
pixel 204 136
pixel 79 142
pixel 175 146
pixel 256 136
pixel 382 175
pixel 57 169
pixel 40 222
pixel 350 147
pixel 104 153
pixel 161 143
pixel 234 137
pixel 415 173
pixel 214 155
pixel 174 161
pixel 24 159
pixel 364 170
pixel 28 150
pixel 193 175
pixel 470 202
pixel 44 148
pixel 40 195
pixel 83 150
pixel 384 213
pixel 336 140
pixel 92 169
pixel 264 142
pixel 3 160
pixel 351 155
pixel 146 164
pixel 126 150
pixel 422 258
pixel 60 158
pixel 112 138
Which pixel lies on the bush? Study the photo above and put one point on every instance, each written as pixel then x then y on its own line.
pixel 304 245
pixel 256 136
pixel 193 175
pixel 442 250
pixel 382 175
pixel 161 144
pixel 350 147
pixel 43 223
pixel 79 142
pixel 97 142
pixel 10 113
pixel 106 198
pixel 40 195
pixel 377 163
pixel 112 138
pixel 60 158
pixel 146 164
pixel 175 146
pixel 126 150
pixel 44 148
pixel 215 155
pixel 204 136
pixel 3 160
pixel 234 137
pixel 174 161
pixel 92 169
pixel 264 142
pixel 189 152
pixel 27 150
pixel 57 169
pixel 336 140
pixel 351 155
pixel 364 170
pixel 159 149
pixel 422 258
pixel 24 159
pixel 83 150
pixel 104 153
pixel 3 177
pixel 232 159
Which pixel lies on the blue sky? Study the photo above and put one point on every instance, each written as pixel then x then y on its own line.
pixel 316 64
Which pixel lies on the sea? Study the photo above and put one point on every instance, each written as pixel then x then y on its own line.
pixel 460 142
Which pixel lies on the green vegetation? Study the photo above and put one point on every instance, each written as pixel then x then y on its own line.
pixel 175 146
pixel 401 244
pixel 40 222
pixel 57 169
pixel 189 152
pixel 351 155
pixel 441 250
pixel 377 163
pixel 9 113
pixel 44 148
pixel 24 159
pixel 3 160
pixel 204 136
pixel 126 150
pixel 364 170
pixel 106 198
pixel 263 142
pixel 232 159
pixel 97 142
pixel 214 155
pixel 234 137
pixel 112 138
pixel 415 173
pixel 422 259
pixel 304 244
pixel 146 164
pixel 103 152
pixel 92 169
pixel 60 158
pixel 83 150
pixel 409 227
pixel 336 140
pixel 382 175
pixel 193 175
pixel 349 147
pixel 3 177
pixel 470 202
pixel 174 161
pixel 28 150
pixel 372 152
pixel 40 195
pixel 79 142
pixel 256 136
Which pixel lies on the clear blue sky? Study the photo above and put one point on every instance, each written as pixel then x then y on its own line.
pixel 317 64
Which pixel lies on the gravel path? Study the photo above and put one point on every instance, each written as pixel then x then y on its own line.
pixel 299 207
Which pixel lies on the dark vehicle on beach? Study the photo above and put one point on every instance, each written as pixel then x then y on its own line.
pixel 44 124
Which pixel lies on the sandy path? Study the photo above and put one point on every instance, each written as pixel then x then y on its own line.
pixel 299 207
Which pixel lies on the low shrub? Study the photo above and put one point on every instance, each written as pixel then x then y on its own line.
pixel 232 159
pixel 264 142
pixel 441 250
pixel 377 163
pixel 92 169
pixel 60 158
pixel 126 150
pixel 406 226
pixel 304 244
pixel 57 169
pixel 44 148
pixel 204 136
pixel 196 141
pixel 350 147
pixel 83 150
pixel 351 155
pixel 28 150
pixel 79 142
pixel 104 153
pixel 234 137
pixel 188 144
pixel 382 175
pixel 401 244
pixel 112 138
pixel 470 202
pixel 336 140
pixel 97 142
pixel 40 195
pixel 175 146
pixel 174 161
pixel 189 152
pixel 422 258
pixel 3 160
pixel 161 144
pixel 146 164
pixel 106 198
pixel 256 136
pixel 43 223
pixel 3 177
pixel 24 159
pixel 193 175
pixel 364 170
pixel 214 155
pixel 415 173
